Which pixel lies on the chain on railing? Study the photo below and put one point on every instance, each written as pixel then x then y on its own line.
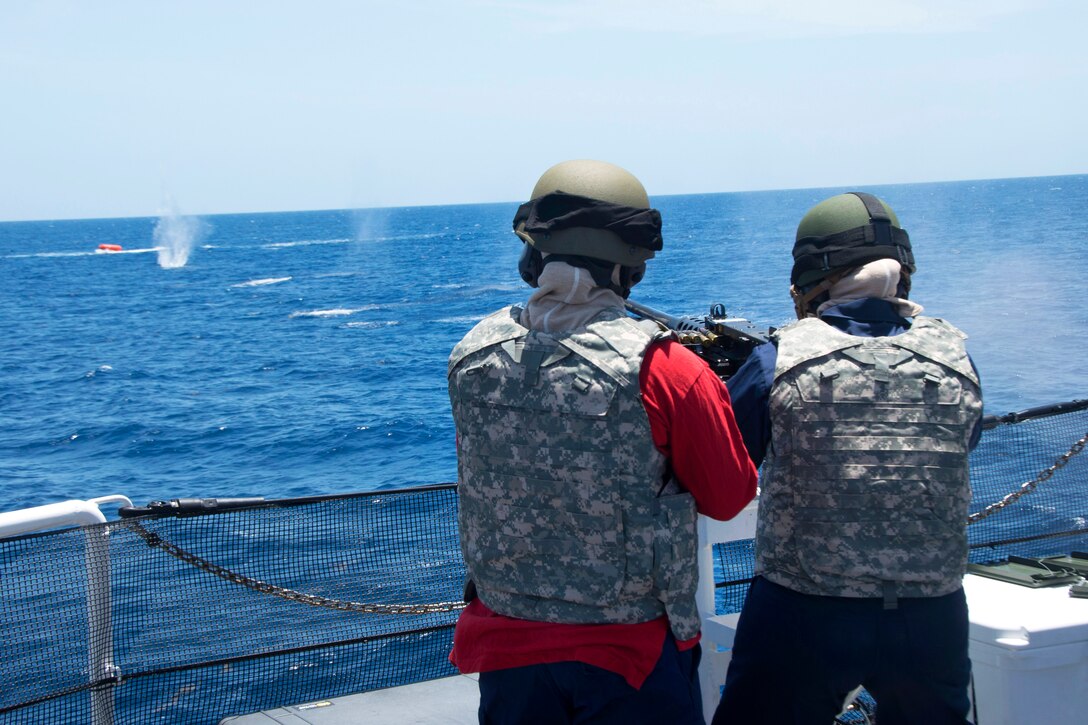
pixel 154 540
pixel 1029 486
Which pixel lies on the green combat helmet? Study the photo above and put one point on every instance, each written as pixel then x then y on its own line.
pixel 591 214
pixel 840 234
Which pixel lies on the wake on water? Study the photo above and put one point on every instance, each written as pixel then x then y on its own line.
pixel 262 282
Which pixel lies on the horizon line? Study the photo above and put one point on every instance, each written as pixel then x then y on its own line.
pixel 492 203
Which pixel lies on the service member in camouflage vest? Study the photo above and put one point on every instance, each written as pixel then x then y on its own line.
pixel 586 443
pixel 863 422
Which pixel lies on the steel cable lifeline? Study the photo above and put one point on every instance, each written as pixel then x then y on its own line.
pixel 1029 486
pixel 155 541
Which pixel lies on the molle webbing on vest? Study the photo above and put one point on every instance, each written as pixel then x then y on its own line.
pixel 866 488
pixel 558 477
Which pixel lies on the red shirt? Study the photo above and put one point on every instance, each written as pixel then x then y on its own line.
pixel 691 421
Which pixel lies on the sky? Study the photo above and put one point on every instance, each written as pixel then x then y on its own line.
pixel 113 108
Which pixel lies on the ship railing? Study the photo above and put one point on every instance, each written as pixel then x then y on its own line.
pixel 100 665
pixel 188 611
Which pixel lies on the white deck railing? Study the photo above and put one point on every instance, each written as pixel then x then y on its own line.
pixel 718 630
pixel 99 619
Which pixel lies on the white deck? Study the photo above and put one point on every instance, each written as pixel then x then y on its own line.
pixel 448 701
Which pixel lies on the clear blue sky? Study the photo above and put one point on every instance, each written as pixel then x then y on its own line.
pixel 111 108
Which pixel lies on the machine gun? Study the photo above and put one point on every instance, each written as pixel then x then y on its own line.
pixel 724 342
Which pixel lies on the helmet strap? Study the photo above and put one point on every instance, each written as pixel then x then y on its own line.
pixel 904 284
pixel 600 270
pixel 530 265
pixel 803 300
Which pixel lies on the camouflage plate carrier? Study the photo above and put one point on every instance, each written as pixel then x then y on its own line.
pixel 865 489
pixel 564 513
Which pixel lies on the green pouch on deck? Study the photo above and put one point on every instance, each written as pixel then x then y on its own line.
pixel 1027 572
pixel 1077 561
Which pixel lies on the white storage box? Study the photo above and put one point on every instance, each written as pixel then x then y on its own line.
pixel 1029 653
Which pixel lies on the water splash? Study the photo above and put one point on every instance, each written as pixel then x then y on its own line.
pixel 175 236
pixel 370 224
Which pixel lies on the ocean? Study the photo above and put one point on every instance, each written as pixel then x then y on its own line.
pixel 304 353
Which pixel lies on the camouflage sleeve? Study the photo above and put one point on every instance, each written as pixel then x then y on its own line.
pixel 692 423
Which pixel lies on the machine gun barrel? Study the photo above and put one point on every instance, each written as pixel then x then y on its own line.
pixel 672 322
pixel 724 342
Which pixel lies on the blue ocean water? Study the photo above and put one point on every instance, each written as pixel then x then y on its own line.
pixel 301 353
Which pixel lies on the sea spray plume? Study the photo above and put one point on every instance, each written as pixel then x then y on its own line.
pixel 367 256
pixel 370 224
pixel 175 236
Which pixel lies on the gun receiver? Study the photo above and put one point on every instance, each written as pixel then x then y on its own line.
pixel 724 342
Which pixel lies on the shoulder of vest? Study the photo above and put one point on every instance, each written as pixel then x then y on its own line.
pixel 940 341
pixel 808 324
pixel 930 337
pixel 808 339
pixel 615 343
pixel 655 329
pixel 496 328
pixel 938 322
pixel 652 329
